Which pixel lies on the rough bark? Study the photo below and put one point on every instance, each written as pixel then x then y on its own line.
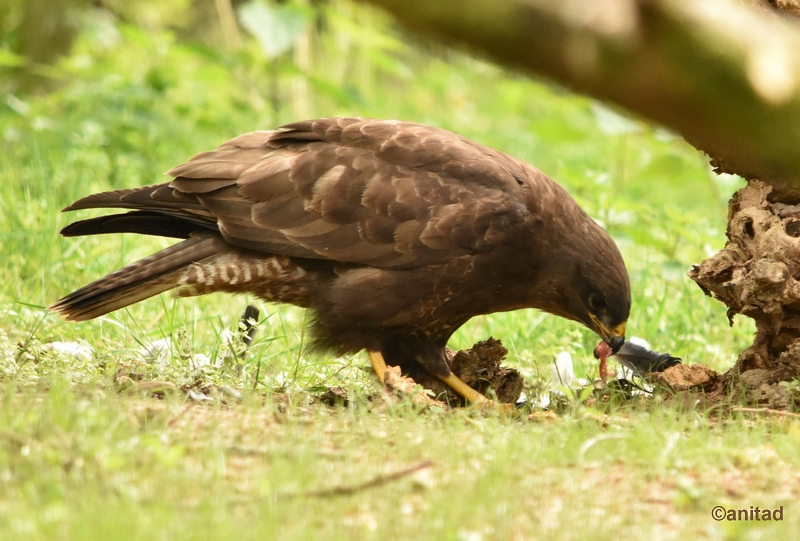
pixel 757 274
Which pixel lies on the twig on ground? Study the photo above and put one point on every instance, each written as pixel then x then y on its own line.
pixel 346 490
pixel 154 386
pixel 14 438
pixel 171 423
pixel 768 411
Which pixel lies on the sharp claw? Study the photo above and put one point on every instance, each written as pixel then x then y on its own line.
pixel 454 382
pixel 472 396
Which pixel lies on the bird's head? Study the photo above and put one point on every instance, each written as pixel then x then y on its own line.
pixel 588 283
pixel 603 292
pixel 607 322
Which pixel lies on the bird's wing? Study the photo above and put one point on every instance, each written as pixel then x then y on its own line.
pixel 384 193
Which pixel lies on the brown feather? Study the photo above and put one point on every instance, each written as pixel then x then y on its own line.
pixel 147 277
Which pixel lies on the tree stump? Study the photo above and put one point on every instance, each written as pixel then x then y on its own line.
pixel 757 274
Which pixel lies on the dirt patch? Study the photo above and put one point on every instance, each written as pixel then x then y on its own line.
pixel 684 377
pixel 480 367
pixel 396 381
pixel 699 382
pixel 335 396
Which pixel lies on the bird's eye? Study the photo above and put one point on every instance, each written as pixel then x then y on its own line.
pixel 597 302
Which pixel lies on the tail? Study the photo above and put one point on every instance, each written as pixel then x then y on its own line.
pixel 147 277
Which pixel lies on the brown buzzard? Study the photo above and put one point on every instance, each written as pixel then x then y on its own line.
pixel 394 234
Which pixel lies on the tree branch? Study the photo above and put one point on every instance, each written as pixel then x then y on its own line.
pixel 724 74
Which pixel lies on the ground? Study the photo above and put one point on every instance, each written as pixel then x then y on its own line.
pixel 130 440
pixel 94 464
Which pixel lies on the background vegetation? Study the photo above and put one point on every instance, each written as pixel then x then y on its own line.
pixel 138 88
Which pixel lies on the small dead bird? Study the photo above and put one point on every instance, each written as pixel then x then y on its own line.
pixel 636 358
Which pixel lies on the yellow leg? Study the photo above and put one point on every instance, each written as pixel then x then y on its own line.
pixel 378 364
pixel 454 382
pixel 466 391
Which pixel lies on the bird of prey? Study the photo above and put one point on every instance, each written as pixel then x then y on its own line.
pixel 393 234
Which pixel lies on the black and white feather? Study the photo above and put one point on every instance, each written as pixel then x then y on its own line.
pixel 642 360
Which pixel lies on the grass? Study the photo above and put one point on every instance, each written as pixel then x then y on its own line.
pixel 94 465
pixel 84 456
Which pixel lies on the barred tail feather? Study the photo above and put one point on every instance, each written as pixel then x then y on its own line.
pixel 147 277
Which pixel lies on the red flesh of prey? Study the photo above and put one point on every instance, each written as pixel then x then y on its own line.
pixel 602 352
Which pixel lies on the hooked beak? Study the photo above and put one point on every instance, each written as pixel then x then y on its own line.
pixel 615 343
pixel 614 338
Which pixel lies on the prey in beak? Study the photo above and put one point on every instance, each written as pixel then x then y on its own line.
pixel 639 359
pixel 602 352
pixel 614 338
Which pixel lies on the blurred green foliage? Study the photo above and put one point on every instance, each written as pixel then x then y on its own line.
pixel 143 86
pixel 146 85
